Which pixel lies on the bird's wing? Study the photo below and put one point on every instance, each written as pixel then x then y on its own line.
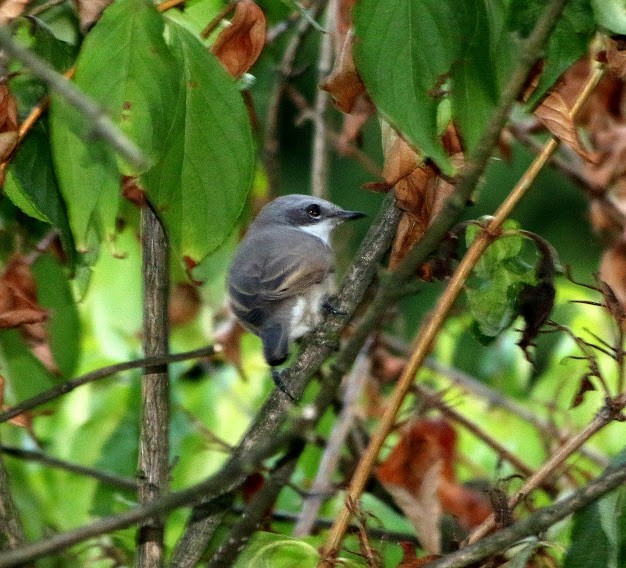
pixel 275 265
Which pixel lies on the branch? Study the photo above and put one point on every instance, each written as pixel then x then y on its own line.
pixel 437 230
pixel 255 512
pixel 271 140
pixel 319 158
pixel 103 372
pixel 607 414
pixel 355 382
pixel 100 123
pixel 103 476
pixel 208 489
pixel 535 523
pixel 153 461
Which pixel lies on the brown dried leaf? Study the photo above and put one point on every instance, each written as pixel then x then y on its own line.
pixel 229 335
pixel 18 296
pixel 584 387
pixel 8 122
pixel 555 115
pixel 409 560
pixel 616 58
pixel 422 507
pixel 11 9
pixel 239 45
pixel 89 11
pixel 613 271
pixel 184 304
pixel 344 82
pixel 133 192
pixel 353 123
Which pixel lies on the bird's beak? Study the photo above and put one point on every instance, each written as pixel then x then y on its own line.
pixel 349 215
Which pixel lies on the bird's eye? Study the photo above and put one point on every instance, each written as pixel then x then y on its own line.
pixel 313 210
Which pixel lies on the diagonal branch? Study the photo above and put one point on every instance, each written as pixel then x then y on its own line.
pixel 448 215
pixel 535 523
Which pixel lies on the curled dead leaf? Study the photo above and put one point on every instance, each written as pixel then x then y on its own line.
pixel 11 9
pixel 344 83
pixel 613 271
pixel 239 45
pixel 9 125
pixel 584 386
pixel 89 12
pixel 555 115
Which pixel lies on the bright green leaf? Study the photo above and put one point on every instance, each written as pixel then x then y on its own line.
pixel 126 67
pixel 595 535
pixel 404 50
pixel 54 293
pixel 610 14
pixel 201 183
pixel 25 374
pixel 32 186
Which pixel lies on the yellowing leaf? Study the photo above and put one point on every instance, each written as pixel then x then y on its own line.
pixel 555 115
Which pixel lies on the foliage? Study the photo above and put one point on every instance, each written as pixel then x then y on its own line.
pixel 216 126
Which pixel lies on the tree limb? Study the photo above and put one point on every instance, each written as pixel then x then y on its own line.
pixel 535 523
pixel 153 461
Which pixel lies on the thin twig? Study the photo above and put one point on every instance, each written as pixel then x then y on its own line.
pixel 355 381
pixel 271 140
pixel 212 25
pixel 608 413
pixel 103 372
pixel 99 122
pixel 103 476
pixel 496 398
pixel 427 333
pixel 434 400
pixel 153 460
pixel 349 149
pixel 319 157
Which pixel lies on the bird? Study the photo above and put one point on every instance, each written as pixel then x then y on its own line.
pixel 282 275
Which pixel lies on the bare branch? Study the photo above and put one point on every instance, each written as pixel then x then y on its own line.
pixel 11 529
pixel 100 123
pixel 103 476
pixel 153 461
pixel 535 523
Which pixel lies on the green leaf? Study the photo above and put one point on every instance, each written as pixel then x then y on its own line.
pixel 126 67
pixel 496 281
pixel 119 453
pixel 201 183
pixel 54 293
pixel 595 534
pixel 522 556
pixel 568 42
pixel 25 374
pixel 474 82
pixel 31 183
pixel 87 174
pixel 610 14
pixel 404 51
pixel 269 550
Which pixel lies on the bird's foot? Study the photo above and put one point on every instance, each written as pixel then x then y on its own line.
pixel 279 381
pixel 328 305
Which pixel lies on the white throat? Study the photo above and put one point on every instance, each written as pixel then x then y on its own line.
pixel 320 230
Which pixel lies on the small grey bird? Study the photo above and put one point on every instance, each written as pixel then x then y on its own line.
pixel 282 274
